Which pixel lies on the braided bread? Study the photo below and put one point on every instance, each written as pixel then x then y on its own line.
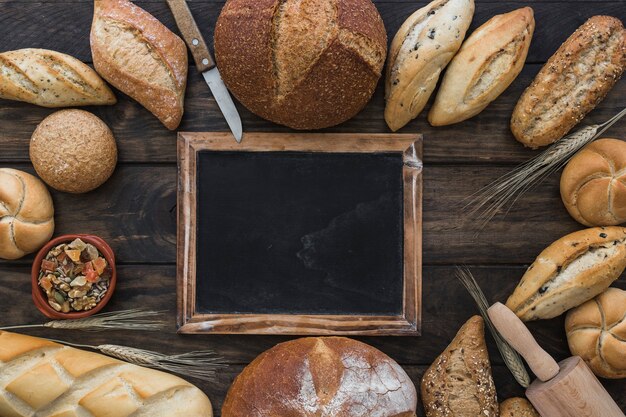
pixel 44 379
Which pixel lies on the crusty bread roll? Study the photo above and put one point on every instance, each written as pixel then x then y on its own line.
pixel 596 331
pixel 421 49
pixel 306 64
pixel 573 81
pixel 593 184
pixel 26 214
pixel 41 378
pixel 517 407
pixel 459 382
pixel 73 151
pixel 50 79
pixel 569 272
pixel 326 376
pixel 141 57
pixel 487 63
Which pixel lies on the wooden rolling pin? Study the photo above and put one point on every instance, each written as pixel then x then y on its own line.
pixel 565 389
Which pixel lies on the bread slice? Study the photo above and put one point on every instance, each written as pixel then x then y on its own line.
pixel 487 63
pixel 569 272
pixel 517 407
pixel 141 57
pixel 459 382
pixel 421 49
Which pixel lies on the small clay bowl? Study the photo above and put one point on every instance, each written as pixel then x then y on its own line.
pixel 39 296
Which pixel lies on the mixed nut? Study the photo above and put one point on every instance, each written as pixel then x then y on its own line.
pixel 75 276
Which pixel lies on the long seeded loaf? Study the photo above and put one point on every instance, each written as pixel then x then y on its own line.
pixel 38 377
pixel 141 57
pixel 573 81
pixel 50 79
pixel 569 272
pixel 487 63
pixel 421 49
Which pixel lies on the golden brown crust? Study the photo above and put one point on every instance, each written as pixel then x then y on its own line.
pixel 573 81
pixel 51 379
pixel 487 63
pixel 309 377
pixel 26 214
pixel 517 407
pixel 593 184
pixel 459 382
pixel 569 272
pixel 140 56
pixel 596 331
pixel 255 44
pixel 73 151
pixel 51 79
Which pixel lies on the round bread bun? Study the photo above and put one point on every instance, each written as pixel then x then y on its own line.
pixel 593 184
pixel 326 376
pixel 596 331
pixel 517 407
pixel 305 64
pixel 73 151
pixel 26 214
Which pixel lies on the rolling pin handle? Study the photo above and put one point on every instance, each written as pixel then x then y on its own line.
pixel 519 337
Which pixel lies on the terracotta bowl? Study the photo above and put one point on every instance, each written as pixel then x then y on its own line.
pixel 39 296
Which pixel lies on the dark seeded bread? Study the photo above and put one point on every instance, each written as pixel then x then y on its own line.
pixel 517 407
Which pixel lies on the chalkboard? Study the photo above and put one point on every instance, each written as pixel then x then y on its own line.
pixel 289 234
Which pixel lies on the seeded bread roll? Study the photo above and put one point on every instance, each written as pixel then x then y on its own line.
pixel 593 184
pixel 459 382
pixel 487 63
pixel 572 83
pixel 421 49
pixel 50 79
pixel 517 407
pixel 42 378
pixel 141 57
pixel 596 331
pixel 569 272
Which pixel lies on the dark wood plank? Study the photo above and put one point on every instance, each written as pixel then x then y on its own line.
pixel 141 138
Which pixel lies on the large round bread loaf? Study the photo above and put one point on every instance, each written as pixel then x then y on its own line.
pixel 307 64
pixel 327 376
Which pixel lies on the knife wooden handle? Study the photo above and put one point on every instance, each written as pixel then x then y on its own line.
pixel 519 337
pixel 191 34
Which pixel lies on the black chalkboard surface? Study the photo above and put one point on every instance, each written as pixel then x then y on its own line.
pixel 299 234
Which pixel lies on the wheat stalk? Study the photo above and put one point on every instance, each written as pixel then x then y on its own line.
pixel 506 190
pixel 511 358
pixel 134 319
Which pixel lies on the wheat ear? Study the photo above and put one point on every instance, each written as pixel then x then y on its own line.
pixel 485 204
pixel 511 358
pixel 135 319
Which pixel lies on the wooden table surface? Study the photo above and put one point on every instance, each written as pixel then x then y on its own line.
pixel 135 211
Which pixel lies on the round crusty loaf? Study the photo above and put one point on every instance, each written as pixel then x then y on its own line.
pixel 73 151
pixel 593 184
pixel 306 64
pixel 26 214
pixel 517 407
pixel 326 376
pixel 596 331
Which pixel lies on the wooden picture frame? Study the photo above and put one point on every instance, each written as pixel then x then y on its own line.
pixel 408 323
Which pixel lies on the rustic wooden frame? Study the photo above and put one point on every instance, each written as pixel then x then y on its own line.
pixel 406 324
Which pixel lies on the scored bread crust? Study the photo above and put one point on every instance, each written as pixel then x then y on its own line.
pixel 336 80
pixel 487 63
pixel 542 293
pixel 517 407
pixel 593 184
pixel 459 382
pixel 573 81
pixel 421 49
pixel 51 79
pixel 325 376
pixel 596 331
pixel 163 95
pixel 42 377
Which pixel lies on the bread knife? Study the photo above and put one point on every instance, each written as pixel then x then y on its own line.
pixel 206 65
